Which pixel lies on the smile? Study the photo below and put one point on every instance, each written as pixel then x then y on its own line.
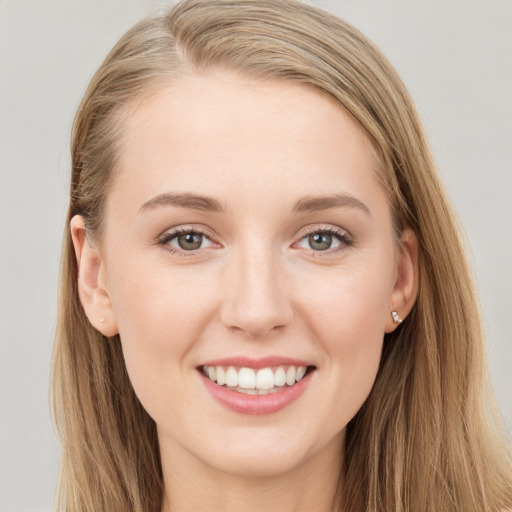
pixel 256 387
pixel 255 382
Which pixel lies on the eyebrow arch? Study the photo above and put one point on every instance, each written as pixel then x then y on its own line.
pixel 184 200
pixel 205 203
pixel 318 203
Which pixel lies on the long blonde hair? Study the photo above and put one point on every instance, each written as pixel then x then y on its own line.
pixel 428 438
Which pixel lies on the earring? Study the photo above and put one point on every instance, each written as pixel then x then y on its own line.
pixel 102 320
pixel 396 318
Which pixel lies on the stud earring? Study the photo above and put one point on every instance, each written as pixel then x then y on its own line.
pixel 396 318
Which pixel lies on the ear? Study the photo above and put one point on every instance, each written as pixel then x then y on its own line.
pixel 405 288
pixel 93 287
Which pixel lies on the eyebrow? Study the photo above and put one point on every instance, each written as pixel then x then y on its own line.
pixel 185 200
pixel 319 203
pixel 210 204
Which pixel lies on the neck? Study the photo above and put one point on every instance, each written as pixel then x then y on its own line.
pixel 311 485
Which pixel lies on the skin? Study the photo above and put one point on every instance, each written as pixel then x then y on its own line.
pixel 256 287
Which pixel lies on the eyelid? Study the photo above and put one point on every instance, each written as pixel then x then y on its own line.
pixel 342 235
pixel 171 233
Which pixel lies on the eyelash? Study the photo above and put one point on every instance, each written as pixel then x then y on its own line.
pixel 344 239
pixel 165 239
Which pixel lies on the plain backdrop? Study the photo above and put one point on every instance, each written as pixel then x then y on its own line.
pixel 455 57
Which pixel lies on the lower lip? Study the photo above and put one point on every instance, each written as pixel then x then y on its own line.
pixel 256 404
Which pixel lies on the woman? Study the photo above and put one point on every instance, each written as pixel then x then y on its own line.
pixel 264 299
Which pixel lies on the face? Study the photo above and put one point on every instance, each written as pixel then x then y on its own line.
pixel 247 240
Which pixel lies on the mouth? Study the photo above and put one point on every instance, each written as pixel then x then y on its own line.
pixel 252 381
pixel 256 387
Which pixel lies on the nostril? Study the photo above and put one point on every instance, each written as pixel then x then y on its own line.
pixel 257 330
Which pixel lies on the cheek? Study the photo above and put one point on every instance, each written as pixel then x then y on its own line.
pixel 349 305
pixel 161 314
pixel 157 303
pixel 348 320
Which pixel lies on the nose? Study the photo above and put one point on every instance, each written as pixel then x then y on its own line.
pixel 256 296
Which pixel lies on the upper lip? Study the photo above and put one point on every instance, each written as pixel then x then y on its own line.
pixel 256 363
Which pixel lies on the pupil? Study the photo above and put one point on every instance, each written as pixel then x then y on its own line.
pixel 320 241
pixel 190 241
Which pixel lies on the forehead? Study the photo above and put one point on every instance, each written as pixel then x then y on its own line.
pixel 220 133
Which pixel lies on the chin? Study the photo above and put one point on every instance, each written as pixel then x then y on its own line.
pixel 251 453
pixel 259 463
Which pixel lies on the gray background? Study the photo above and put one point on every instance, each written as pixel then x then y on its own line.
pixel 456 58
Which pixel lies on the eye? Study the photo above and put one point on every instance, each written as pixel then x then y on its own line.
pixel 188 241
pixel 324 240
pixel 185 240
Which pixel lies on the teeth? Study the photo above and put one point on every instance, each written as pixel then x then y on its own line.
pixel 252 382
pixel 248 391
pixel 257 391
pixel 221 376
pixel 301 371
pixel 247 378
pixel 290 376
pixel 279 377
pixel 232 377
pixel 265 379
